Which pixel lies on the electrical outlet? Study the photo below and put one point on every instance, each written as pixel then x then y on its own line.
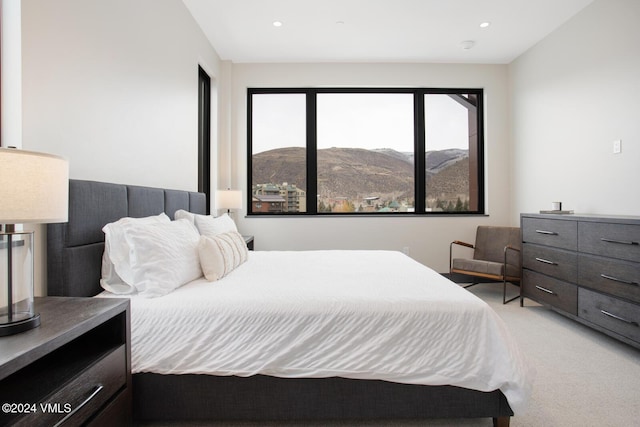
pixel 617 146
pixel 405 250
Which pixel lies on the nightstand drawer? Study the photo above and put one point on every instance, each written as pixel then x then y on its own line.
pixel 610 313
pixel 611 240
pixel 550 232
pixel 83 395
pixel 618 278
pixel 557 263
pixel 551 291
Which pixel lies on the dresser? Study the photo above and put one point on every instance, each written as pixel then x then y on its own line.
pixel 74 369
pixel 586 267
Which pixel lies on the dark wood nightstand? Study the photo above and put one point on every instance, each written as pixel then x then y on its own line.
pixel 74 368
pixel 249 241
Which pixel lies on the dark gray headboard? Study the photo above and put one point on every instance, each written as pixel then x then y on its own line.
pixel 74 248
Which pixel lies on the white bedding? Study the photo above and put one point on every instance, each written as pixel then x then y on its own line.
pixel 353 314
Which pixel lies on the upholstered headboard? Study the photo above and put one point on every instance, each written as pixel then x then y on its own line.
pixel 74 248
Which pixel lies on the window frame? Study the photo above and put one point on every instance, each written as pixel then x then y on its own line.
pixel 419 147
pixel 204 135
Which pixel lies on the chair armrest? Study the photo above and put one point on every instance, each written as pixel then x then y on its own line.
pixel 458 242
pixel 511 247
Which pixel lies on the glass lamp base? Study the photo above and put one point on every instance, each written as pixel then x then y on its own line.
pixel 19 326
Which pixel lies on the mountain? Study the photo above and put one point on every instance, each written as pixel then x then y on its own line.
pixel 441 159
pixel 280 165
pixel 407 157
pixel 354 173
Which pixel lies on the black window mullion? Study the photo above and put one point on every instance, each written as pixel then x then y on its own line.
pixel 480 149
pixel 250 151
pixel 312 153
pixel 419 152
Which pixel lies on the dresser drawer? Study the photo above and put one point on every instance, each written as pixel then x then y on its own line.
pixel 618 278
pixel 551 232
pixel 551 291
pixel 557 263
pixel 83 395
pixel 611 240
pixel 610 313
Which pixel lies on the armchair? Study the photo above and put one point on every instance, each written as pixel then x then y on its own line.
pixel 496 256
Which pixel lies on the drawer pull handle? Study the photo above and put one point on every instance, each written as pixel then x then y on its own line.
pixel 546 261
pixel 622 242
pixel 80 406
pixel 615 279
pixel 551 233
pixel 545 290
pixel 631 322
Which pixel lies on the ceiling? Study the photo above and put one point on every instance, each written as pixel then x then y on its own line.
pixel 378 30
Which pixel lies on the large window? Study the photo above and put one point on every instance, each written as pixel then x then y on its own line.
pixel 365 151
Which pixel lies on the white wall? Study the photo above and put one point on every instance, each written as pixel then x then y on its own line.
pixel 10 61
pixel 428 238
pixel 112 85
pixel 572 95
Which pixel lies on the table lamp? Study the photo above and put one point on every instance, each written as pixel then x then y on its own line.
pixel 34 188
pixel 228 199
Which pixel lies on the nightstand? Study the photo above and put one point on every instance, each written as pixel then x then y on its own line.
pixel 249 241
pixel 75 368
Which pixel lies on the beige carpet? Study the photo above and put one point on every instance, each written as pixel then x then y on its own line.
pixel 584 378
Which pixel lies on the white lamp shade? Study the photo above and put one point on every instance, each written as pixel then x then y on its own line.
pixel 228 199
pixel 34 187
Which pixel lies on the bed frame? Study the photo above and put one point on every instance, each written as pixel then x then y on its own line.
pixel 74 262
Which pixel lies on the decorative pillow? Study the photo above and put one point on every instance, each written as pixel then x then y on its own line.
pixel 163 256
pixel 210 226
pixel 115 259
pixel 221 254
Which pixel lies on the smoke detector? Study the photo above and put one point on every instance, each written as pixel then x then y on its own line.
pixel 467 44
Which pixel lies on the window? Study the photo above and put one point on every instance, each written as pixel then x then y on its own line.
pixel 365 151
pixel 278 153
pixel 204 134
pixel 451 159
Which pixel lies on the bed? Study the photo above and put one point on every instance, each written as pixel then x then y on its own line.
pixel 298 376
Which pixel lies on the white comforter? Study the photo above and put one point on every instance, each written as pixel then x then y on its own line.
pixel 353 314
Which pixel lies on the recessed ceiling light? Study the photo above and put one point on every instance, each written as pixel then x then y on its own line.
pixel 277 24
pixel 485 24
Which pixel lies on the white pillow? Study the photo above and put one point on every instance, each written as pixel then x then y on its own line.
pixel 164 256
pixel 182 214
pixel 221 254
pixel 210 226
pixel 115 259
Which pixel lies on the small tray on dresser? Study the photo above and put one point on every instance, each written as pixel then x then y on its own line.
pixel 557 212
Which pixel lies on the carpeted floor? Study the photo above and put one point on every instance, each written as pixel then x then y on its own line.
pixel 584 378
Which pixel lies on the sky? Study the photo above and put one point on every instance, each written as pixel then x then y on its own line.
pixel 357 121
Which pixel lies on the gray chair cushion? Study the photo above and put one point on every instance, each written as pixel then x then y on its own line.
pixel 490 243
pixel 478 266
pixel 484 267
